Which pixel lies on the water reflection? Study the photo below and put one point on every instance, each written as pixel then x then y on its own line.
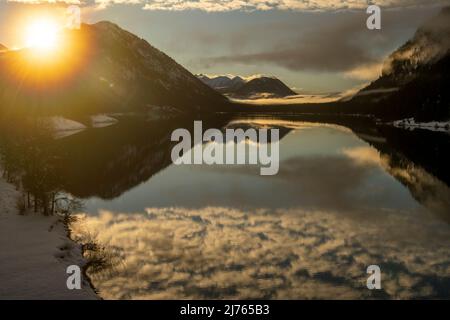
pixel 343 199
pixel 285 254
pixel 107 162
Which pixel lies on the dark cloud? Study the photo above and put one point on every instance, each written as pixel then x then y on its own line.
pixel 326 49
pixel 333 43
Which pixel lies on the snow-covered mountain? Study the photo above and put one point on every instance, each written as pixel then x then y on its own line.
pixel 107 69
pixel 416 77
pixel 248 88
pixel 222 83
pixel 266 87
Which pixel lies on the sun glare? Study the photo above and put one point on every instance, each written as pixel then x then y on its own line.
pixel 51 55
pixel 42 34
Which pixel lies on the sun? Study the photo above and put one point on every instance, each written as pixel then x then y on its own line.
pixel 42 34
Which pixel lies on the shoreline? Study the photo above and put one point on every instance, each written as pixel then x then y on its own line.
pixel 35 251
pixel 85 265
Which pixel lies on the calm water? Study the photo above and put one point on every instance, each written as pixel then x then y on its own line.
pixel 341 201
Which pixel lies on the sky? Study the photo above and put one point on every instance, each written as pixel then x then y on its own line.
pixel 315 46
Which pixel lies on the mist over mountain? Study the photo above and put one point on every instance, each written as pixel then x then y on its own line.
pixel 415 78
pixel 255 87
pixel 104 68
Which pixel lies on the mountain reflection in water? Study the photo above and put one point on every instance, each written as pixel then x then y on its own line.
pixel 343 199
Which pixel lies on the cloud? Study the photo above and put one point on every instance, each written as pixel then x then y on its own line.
pixel 258 5
pixel 244 5
pixel 226 253
pixel 363 155
pixel 325 42
pixel 46 1
pixel 341 44
pixel 365 72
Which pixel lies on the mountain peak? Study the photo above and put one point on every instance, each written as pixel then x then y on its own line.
pixel 430 43
pixel 263 86
pixel 106 24
pixel 248 87
pixel 415 77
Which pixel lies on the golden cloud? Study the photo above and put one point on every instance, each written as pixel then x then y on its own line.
pixel 245 5
pixel 228 253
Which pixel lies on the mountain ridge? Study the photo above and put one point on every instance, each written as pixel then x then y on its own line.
pixel 415 77
pixel 253 87
pixel 112 70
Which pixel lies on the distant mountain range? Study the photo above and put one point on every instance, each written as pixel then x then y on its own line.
pixel 248 88
pixel 112 70
pixel 415 78
pixel 223 84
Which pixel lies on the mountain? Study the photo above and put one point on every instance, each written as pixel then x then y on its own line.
pixel 252 88
pixel 2 47
pixel 415 78
pixel 264 87
pixel 101 68
pixel 223 84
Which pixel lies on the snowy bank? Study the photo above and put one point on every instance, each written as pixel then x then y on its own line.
pixel 411 124
pixel 34 254
pixel 102 120
pixel 64 127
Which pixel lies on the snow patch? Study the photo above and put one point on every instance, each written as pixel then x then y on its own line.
pixel 64 127
pixel 411 124
pixel 102 120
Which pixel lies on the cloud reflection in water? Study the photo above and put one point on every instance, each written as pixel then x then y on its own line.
pixel 226 253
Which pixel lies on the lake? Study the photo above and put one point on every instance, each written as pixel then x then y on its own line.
pixel 347 196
